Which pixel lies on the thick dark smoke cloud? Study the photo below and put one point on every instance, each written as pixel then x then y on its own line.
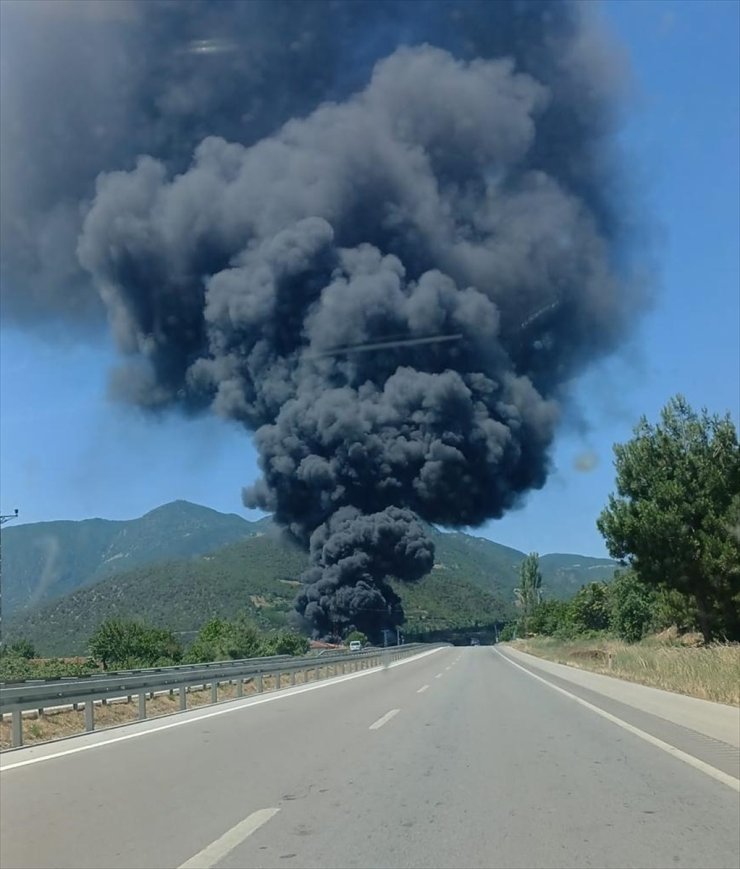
pixel 286 186
pixel 352 556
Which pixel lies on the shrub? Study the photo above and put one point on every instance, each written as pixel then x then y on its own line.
pixel 286 643
pixel 22 648
pixel 507 632
pixel 120 643
pixel 549 617
pixel 220 640
pixel 632 607
pixel 589 610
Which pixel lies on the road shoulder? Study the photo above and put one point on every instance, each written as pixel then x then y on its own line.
pixel 714 720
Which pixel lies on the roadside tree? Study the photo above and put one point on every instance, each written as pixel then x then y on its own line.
pixel 675 518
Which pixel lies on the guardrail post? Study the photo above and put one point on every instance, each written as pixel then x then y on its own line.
pixel 16 736
pixel 292 677
pixel 240 687
pixel 89 715
pixel 258 682
pixel 183 692
pixel 142 705
pixel 214 691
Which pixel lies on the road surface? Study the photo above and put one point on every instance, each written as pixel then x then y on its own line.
pixel 459 758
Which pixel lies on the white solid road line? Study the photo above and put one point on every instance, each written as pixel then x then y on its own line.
pixel 236 707
pixel 224 845
pixel 422 689
pixel 439 675
pixel 711 771
pixel 376 725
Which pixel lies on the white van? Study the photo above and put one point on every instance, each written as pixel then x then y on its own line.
pixel 355 646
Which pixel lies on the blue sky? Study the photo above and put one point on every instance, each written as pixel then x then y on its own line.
pixel 67 452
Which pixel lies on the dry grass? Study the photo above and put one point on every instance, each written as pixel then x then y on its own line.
pixel 57 724
pixel 710 672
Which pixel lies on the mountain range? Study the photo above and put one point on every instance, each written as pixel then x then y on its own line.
pixel 182 563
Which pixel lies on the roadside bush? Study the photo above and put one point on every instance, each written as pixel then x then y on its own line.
pixel 549 617
pixel 507 632
pixel 589 610
pixel 22 648
pixel 221 640
pixel 671 607
pixel 14 668
pixel 286 643
pixel 125 644
pixel 632 607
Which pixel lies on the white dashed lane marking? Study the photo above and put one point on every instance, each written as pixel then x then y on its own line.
pixel 376 725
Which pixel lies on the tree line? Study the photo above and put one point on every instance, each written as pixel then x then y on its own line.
pixel 626 608
pixel 125 644
pixel 674 523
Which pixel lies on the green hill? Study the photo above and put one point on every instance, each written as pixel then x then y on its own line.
pixel 495 568
pixel 563 575
pixel 257 576
pixel 46 560
pixel 470 585
pixel 249 576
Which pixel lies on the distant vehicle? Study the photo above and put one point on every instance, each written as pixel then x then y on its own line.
pixel 475 642
pixel 355 646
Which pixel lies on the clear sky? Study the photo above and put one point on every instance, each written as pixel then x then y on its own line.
pixel 67 452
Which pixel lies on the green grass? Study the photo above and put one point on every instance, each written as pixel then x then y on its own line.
pixel 710 672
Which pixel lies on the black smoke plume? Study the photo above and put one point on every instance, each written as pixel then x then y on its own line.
pixel 384 236
pixel 352 555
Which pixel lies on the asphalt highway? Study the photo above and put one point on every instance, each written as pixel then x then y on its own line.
pixel 457 758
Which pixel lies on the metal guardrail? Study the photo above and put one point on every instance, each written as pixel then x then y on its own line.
pixel 33 696
pixel 172 668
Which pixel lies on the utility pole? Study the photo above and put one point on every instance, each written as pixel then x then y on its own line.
pixel 5 517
